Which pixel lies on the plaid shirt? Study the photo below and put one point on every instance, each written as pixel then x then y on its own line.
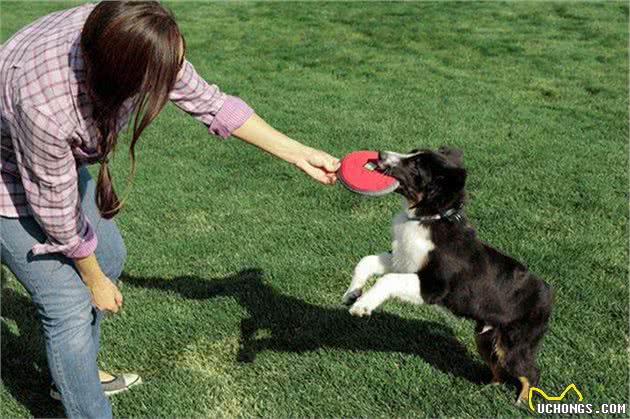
pixel 48 131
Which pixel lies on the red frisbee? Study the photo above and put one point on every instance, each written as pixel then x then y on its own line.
pixel 358 173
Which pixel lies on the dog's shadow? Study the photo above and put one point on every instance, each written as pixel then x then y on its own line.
pixel 292 325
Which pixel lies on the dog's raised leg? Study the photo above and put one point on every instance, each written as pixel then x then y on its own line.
pixel 368 266
pixel 403 286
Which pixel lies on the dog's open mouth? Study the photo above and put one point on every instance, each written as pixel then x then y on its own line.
pixel 381 167
pixel 378 165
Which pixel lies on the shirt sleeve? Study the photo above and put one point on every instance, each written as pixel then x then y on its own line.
pixel 49 176
pixel 221 113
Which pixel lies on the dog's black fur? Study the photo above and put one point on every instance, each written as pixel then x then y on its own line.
pixel 471 278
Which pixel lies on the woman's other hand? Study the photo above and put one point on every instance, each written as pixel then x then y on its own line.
pixel 104 294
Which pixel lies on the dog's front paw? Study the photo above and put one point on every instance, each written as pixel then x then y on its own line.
pixel 360 309
pixel 351 296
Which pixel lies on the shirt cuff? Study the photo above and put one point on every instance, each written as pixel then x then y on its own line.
pixel 231 116
pixel 78 247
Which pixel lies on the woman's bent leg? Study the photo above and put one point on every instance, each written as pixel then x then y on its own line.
pixel 70 324
pixel 67 317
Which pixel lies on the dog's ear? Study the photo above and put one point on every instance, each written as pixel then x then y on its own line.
pixel 451 181
pixel 454 155
pixel 457 179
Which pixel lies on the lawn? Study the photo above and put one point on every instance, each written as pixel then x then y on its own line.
pixel 237 262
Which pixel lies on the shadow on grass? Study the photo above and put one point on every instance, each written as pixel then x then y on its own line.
pixel 24 366
pixel 291 325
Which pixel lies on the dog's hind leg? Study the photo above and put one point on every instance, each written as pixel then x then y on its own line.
pixel 368 266
pixel 485 340
pixel 518 361
pixel 403 286
pixel 527 379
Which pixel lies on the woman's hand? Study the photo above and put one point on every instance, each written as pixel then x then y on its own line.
pixel 104 294
pixel 319 165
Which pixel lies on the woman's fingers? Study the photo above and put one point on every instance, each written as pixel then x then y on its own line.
pixel 321 166
pixel 314 172
pixel 112 306
pixel 105 295
pixel 118 298
pixel 331 164
pixel 324 161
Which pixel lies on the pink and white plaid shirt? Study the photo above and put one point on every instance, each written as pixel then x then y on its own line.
pixel 47 129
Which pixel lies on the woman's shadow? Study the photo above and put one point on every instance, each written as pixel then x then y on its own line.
pixel 292 325
pixel 24 367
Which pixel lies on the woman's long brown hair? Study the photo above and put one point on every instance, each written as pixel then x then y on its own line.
pixel 131 49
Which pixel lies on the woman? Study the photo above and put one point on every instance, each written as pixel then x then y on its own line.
pixel 70 81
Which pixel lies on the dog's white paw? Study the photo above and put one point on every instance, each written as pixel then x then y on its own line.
pixel 360 309
pixel 351 296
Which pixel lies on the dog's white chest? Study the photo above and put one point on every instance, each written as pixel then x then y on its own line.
pixel 411 246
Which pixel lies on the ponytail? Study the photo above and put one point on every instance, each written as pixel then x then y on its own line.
pixel 106 198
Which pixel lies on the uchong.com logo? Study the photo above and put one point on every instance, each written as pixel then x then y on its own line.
pixel 555 405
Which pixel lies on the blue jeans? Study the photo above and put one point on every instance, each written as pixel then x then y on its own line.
pixel 69 322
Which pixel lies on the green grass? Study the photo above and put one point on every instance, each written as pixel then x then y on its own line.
pixel 237 262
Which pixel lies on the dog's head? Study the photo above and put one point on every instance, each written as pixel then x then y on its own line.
pixel 432 180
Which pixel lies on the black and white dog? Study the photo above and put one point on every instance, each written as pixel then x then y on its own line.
pixel 436 258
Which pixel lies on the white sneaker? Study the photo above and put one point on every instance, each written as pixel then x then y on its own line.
pixel 118 384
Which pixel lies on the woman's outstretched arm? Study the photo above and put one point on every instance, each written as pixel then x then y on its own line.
pixel 226 115
pixel 317 164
